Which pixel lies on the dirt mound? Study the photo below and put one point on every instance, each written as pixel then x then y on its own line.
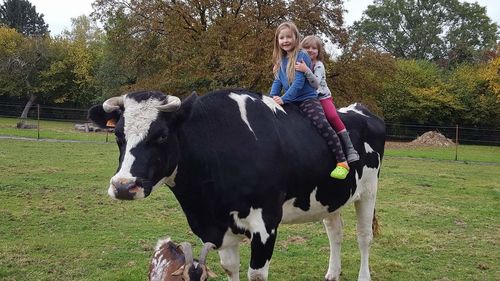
pixel 432 138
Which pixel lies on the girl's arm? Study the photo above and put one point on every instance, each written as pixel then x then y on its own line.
pixel 319 72
pixel 275 88
pixel 313 80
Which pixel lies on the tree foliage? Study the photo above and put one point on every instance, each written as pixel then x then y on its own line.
pixel 445 31
pixel 359 75
pixel 58 70
pixel 476 89
pixel 417 94
pixel 22 16
pixel 179 46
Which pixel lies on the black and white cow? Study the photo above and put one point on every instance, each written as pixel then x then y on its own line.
pixel 239 165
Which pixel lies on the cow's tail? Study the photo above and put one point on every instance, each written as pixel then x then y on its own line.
pixel 375 225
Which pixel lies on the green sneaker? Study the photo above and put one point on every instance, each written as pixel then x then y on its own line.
pixel 340 172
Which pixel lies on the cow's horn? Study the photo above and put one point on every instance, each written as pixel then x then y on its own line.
pixel 112 104
pixel 172 103
pixel 204 251
pixel 188 252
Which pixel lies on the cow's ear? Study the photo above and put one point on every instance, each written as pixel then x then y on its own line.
pixel 184 111
pixel 102 118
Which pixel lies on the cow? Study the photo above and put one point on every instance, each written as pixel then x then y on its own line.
pixel 239 164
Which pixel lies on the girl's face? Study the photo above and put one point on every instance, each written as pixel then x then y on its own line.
pixel 287 40
pixel 312 50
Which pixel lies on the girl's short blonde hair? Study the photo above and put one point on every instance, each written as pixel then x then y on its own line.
pixel 313 40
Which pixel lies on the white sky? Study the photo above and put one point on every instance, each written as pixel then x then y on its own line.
pixel 58 13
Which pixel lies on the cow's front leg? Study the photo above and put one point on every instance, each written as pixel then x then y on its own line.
pixel 262 250
pixel 333 225
pixel 230 256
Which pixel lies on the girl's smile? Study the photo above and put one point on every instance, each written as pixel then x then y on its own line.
pixel 286 40
pixel 312 51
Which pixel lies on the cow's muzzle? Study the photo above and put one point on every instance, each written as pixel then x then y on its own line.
pixel 124 189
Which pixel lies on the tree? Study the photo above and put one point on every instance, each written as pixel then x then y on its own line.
pixel 359 75
pixel 476 87
pixel 11 43
pixel 74 59
pixel 22 16
pixel 180 46
pixel 445 31
pixel 21 64
pixel 418 94
pixel 52 70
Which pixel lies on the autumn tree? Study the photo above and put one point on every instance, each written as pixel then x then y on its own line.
pixel 74 58
pixel 359 74
pixel 418 94
pixel 22 16
pixel 179 46
pixel 50 70
pixel 23 58
pixel 445 31
pixel 476 88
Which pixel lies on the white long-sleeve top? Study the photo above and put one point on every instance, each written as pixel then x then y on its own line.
pixel 317 79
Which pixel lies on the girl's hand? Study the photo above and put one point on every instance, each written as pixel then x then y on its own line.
pixel 301 66
pixel 278 100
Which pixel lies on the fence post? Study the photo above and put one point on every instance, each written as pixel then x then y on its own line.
pixel 456 143
pixel 38 121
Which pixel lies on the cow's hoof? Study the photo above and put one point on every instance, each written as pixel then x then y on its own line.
pixel 332 278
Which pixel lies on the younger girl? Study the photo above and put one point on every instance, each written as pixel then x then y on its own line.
pixel 317 78
pixel 297 90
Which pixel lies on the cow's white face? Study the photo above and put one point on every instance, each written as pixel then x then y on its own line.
pixel 142 138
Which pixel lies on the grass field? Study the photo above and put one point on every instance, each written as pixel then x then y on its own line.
pixel 440 220
pixel 49 130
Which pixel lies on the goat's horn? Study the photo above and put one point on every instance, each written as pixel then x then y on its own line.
pixel 204 251
pixel 172 103
pixel 112 104
pixel 188 252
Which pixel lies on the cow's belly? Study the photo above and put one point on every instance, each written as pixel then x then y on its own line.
pixel 316 211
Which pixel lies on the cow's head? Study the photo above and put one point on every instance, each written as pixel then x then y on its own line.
pixel 141 122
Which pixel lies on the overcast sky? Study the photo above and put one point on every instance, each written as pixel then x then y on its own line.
pixel 58 13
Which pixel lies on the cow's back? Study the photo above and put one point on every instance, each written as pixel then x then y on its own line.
pixel 238 143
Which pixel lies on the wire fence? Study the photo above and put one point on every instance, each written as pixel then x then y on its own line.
pixel 45 112
pixel 462 135
pixel 395 131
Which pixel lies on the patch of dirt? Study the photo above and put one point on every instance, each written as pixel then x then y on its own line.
pixel 431 138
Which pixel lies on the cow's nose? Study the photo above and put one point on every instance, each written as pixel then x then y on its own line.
pixel 125 189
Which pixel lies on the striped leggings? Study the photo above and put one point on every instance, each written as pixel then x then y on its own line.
pixel 314 111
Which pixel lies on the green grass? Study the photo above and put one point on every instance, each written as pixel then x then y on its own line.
pixel 50 130
pixel 466 153
pixel 440 221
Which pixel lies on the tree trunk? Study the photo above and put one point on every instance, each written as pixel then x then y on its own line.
pixel 22 124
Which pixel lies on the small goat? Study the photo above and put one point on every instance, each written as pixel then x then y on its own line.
pixel 173 262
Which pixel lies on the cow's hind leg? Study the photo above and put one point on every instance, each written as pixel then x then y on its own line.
pixel 262 250
pixel 333 225
pixel 365 207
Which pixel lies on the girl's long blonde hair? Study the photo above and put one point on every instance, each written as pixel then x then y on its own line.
pixel 313 40
pixel 278 53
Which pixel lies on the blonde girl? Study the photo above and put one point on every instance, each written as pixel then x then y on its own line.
pixel 317 78
pixel 299 91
